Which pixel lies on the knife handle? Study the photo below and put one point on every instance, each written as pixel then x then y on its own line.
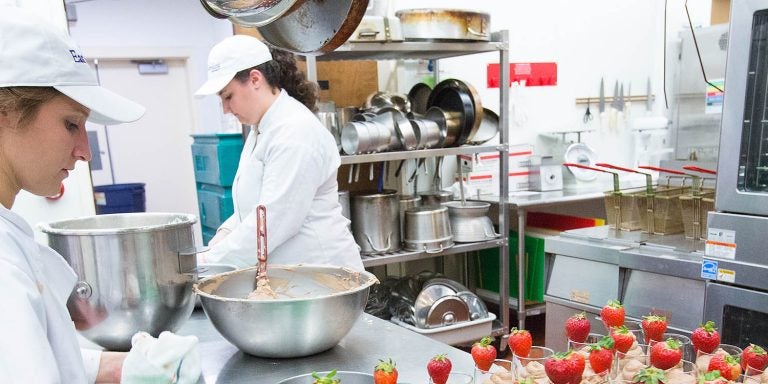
pixel 672 171
pixel 699 169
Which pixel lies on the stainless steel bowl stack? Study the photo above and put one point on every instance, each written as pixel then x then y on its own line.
pixel 315 308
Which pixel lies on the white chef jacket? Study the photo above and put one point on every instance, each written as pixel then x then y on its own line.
pixel 38 341
pixel 291 170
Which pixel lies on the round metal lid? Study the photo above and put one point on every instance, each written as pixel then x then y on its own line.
pixel 447 310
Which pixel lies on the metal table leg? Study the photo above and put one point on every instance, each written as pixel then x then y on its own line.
pixel 521 216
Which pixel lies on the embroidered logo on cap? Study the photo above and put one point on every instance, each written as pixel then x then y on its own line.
pixel 78 57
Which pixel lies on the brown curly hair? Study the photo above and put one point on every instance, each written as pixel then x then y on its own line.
pixel 282 72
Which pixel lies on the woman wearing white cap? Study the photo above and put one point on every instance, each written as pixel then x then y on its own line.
pixel 288 164
pixel 47 92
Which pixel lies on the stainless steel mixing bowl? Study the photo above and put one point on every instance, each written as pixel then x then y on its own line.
pixel 315 308
pixel 135 273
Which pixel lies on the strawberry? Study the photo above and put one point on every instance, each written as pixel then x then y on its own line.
pixel 577 327
pixel 438 368
pixel 654 327
pixel 327 379
pixel 705 338
pixel 666 354
pixel 483 353
pixel 713 377
pixel 565 367
pixel 649 375
pixel 612 314
pixel 622 338
pixel 520 342
pixel 601 355
pixel 728 366
pixel 385 372
pixel 754 356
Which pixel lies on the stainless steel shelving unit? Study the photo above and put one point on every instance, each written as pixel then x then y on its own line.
pixel 439 50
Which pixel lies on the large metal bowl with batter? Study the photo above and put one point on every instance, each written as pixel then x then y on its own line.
pixel 315 307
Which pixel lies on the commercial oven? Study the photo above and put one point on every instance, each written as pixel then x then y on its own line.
pixel 736 262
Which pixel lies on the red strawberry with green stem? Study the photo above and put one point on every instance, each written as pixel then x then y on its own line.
pixel 713 377
pixel 654 327
pixel 520 342
pixel 438 368
pixel 483 353
pixel 327 379
pixel 565 367
pixel 612 314
pixel 385 372
pixel 754 356
pixel 623 338
pixel 666 354
pixel 705 338
pixel 577 327
pixel 649 375
pixel 728 366
pixel 601 355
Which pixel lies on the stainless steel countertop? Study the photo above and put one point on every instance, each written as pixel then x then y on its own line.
pixel 669 254
pixel 369 340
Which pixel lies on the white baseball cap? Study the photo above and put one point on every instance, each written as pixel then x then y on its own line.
pixel 35 54
pixel 229 57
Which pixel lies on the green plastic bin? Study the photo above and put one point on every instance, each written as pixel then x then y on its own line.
pixel 488 268
pixel 215 157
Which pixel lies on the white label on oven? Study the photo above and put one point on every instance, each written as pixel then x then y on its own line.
pixel 726 275
pixel 721 243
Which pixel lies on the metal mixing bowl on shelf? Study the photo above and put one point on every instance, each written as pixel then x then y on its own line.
pixel 315 307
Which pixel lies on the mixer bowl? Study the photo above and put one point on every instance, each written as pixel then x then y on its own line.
pixel 135 273
pixel 315 308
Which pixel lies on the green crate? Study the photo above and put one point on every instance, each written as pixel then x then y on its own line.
pixel 488 268
pixel 208 234
pixel 216 156
pixel 215 204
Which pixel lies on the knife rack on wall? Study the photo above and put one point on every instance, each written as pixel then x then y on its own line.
pixel 609 99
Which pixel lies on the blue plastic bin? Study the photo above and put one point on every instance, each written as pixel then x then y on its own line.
pixel 119 198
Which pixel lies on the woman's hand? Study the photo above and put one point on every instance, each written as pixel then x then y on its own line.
pixel 220 235
pixel 110 367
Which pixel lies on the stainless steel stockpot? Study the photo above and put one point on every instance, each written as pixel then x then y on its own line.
pixel 435 197
pixel 376 221
pixel 407 202
pixel 427 228
pixel 135 273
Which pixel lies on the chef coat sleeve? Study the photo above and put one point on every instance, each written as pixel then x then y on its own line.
pixel 91 359
pixel 292 175
pixel 25 355
pixel 229 223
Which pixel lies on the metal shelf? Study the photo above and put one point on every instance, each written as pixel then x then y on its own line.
pixel 412 49
pixel 499 44
pixel 493 297
pixel 397 257
pixel 416 154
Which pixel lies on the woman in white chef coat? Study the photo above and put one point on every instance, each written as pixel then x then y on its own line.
pixel 47 92
pixel 288 164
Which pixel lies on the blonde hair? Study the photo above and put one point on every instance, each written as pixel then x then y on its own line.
pixel 26 101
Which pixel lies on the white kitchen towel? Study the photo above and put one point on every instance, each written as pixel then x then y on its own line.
pixel 170 358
